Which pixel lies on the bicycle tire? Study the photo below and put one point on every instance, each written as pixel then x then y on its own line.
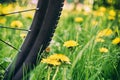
pixel 42 29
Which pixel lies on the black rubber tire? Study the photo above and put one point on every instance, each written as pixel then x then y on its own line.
pixel 42 29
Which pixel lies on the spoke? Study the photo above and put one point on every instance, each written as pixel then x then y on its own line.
pixel 14 28
pixel 19 12
pixel 9 45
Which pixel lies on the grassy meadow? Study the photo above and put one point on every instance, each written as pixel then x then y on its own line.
pixel 85 46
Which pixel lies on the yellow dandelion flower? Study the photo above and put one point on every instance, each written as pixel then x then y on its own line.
pixel 56 59
pixel 112 13
pixel 28 15
pixel 105 32
pixel 2 20
pixel 98 13
pixel 94 23
pixel 103 50
pixel 7 9
pixel 17 24
pixel 51 62
pixel 116 41
pixel 110 1
pixel 102 9
pixel 111 17
pixel 23 35
pixel 70 43
pixel 78 19
pixel 60 57
pixel 99 40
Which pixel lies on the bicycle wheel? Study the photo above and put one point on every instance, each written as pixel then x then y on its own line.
pixel 42 29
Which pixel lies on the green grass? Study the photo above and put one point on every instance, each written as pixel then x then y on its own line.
pixel 87 62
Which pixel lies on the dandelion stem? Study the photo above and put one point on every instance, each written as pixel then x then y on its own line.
pixel 57 69
pixel 64 74
pixel 49 71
